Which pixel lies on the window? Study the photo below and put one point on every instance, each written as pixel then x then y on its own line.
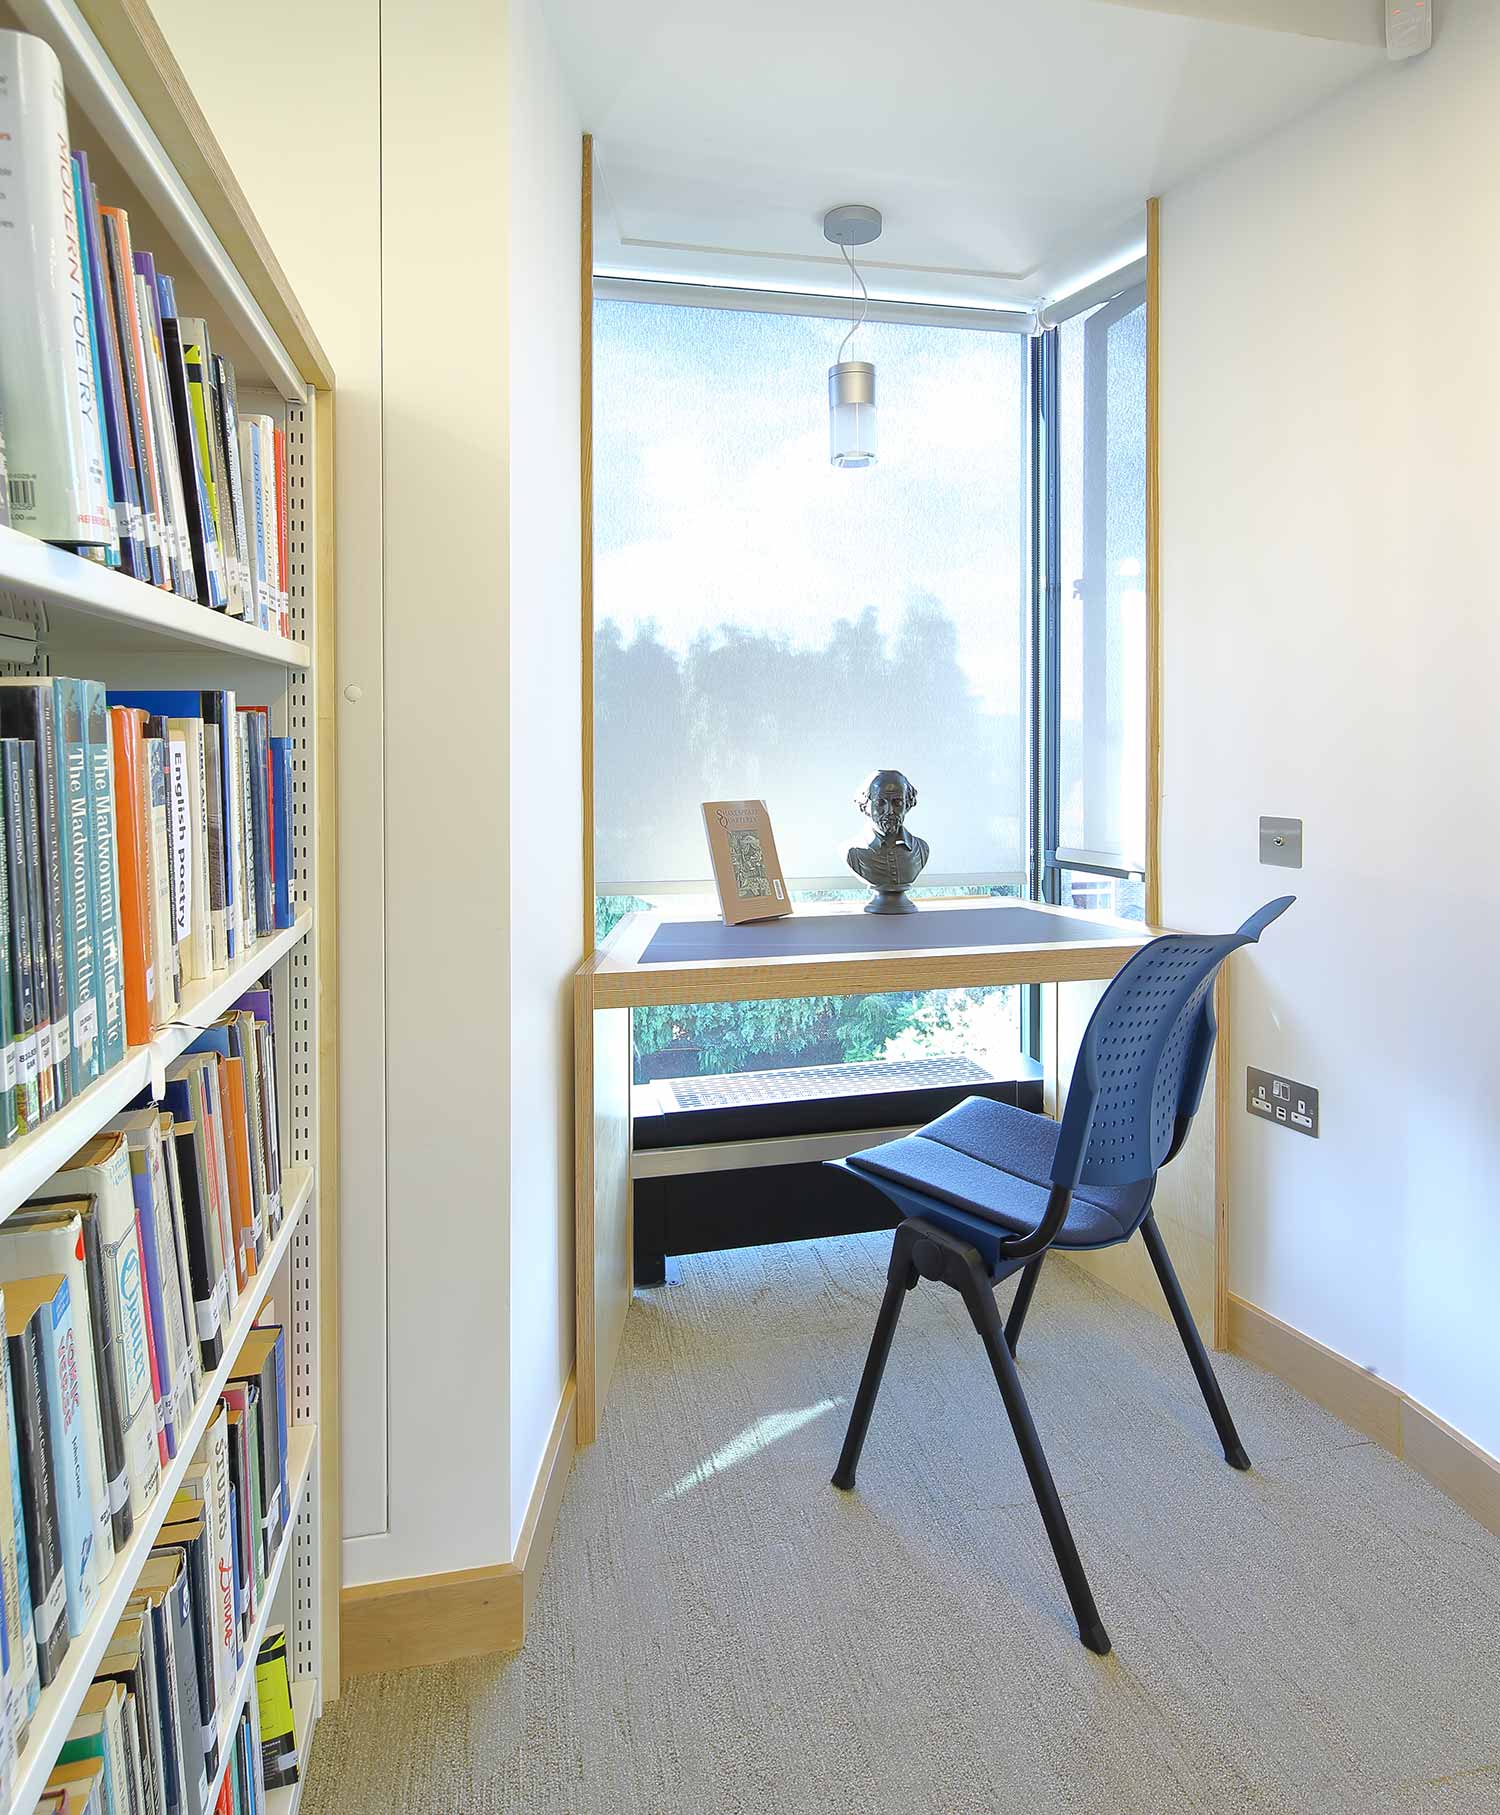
pixel 1098 371
pixel 768 626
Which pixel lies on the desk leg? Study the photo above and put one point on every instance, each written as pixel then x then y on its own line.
pixel 605 1239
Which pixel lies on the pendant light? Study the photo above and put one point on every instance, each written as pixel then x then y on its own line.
pixel 851 382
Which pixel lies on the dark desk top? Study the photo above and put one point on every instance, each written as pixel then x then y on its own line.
pixel 814 935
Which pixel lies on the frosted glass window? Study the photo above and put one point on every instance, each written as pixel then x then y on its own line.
pixel 1102 507
pixel 770 627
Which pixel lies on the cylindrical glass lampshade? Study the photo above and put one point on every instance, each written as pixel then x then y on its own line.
pixel 851 413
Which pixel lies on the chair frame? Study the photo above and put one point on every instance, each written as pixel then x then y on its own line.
pixel 922 1249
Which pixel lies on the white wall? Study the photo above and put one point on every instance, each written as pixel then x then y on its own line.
pixel 417 172
pixel 1330 475
pixel 546 801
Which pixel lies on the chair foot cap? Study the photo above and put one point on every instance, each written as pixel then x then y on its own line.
pixel 1096 1638
pixel 1236 1458
pixel 844 1478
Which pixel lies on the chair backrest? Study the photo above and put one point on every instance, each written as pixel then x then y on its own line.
pixel 1144 1057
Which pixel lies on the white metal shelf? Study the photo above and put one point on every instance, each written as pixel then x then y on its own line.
pixel 60 1700
pixel 299 1459
pixel 27 1165
pixel 114 611
pixel 94 87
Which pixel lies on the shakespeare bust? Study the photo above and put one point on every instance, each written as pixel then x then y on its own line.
pixel 894 858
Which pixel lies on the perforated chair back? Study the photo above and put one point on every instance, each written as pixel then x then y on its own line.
pixel 1139 1075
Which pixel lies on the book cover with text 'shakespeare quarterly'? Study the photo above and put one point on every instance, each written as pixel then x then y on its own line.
pixel 747 871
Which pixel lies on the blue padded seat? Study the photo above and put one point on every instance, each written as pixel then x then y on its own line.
pixel 995 1162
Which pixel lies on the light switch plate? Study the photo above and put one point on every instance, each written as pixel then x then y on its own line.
pixel 1281 842
pixel 1408 28
pixel 1273 1098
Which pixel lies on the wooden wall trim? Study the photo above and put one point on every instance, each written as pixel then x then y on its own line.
pixel 418 1620
pixel 1468 1475
pixel 586 519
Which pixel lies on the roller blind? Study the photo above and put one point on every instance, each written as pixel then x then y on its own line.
pixel 1102 653
pixel 769 627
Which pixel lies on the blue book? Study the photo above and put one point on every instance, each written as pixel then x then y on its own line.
pixel 112 483
pixel 32 1686
pixel 75 812
pixel 284 868
pixel 104 880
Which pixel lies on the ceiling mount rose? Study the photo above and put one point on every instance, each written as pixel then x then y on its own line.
pixel 853 224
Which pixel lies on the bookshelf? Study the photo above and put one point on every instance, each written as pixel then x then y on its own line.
pixel 153 153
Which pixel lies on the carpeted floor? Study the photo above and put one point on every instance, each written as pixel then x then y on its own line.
pixel 721 1631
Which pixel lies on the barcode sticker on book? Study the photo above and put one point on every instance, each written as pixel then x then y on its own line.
pixel 8 1067
pixel 61 1044
pixel 26 1059
pixel 44 1045
pixel 22 491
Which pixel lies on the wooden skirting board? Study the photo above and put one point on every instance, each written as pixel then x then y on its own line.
pixel 1467 1474
pixel 465 1612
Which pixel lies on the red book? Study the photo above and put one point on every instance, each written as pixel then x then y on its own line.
pixel 125 729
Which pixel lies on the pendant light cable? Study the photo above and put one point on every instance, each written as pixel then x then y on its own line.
pixel 864 307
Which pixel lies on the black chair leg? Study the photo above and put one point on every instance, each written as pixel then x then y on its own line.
pixel 979 1296
pixel 1213 1398
pixel 1021 1303
pixel 900 1280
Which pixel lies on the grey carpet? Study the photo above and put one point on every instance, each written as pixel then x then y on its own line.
pixel 721 1631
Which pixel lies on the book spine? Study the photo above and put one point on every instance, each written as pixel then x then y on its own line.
pixel 74 788
pixel 284 532
pixel 272 527
pixel 56 484
pixel 104 877
pixel 180 824
pixel 246 764
pixel 253 729
pixel 193 334
pixel 285 869
pixel 229 440
pixel 10 1125
pixel 159 870
pixel 148 307
pixel 38 1495
pixel 213 804
pixel 130 529
pixel 202 531
pixel 202 902
pixel 113 484
pixel 164 1151
pixel 105 1335
pixel 163 1357
pixel 255 520
pixel 180 1602
pixel 22 1683
pixel 114 230
pixel 137 907
pixel 76 1516
pixel 208 1282
pixel 28 1093
pixel 41 951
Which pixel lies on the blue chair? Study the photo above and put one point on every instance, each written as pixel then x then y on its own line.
pixel 986 1190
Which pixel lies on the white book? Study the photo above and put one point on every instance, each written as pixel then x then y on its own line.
pixel 189 733
pixel 42 1242
pixel 49 411
pixel 101 1170
pixel 275 599
pixel 208 1483
pixel 229 755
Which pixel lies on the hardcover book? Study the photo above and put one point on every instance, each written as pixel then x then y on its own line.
pixel 48 407
pixel 747 871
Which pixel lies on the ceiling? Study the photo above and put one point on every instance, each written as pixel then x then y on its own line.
pixel 1011 144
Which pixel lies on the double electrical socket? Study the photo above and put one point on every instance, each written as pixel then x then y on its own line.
pixel 1283 1100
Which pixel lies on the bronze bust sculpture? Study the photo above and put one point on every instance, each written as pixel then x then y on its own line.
pixel 892 861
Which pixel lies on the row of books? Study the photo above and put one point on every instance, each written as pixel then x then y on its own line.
pixel 116 1754
pixel 123 432
pixel 145 843
pixel 120 1279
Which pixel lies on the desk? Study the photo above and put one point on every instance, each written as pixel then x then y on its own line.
pixel 651 959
